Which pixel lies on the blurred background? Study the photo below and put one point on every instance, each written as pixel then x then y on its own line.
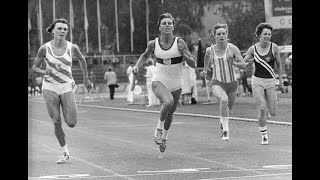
pixel 115 32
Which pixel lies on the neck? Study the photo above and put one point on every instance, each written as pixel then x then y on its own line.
pixel 59 42
pixel 166 38
pixel 222 45
pixel 263 44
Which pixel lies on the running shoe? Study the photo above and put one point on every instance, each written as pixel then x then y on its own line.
pixel 225 136
pixel 163 145
pixel 158 136
pixel 63 158
pixel 264 140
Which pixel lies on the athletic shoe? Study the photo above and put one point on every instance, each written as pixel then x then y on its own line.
pixel 63 158
pixel 163 145
pixel 264 140
pixel 158 137
pixel 225 135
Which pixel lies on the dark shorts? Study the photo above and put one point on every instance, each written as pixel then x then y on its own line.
pixel 228 87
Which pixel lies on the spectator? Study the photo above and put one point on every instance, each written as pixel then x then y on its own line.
pixel 38 83
pixel 152 98
pixel 111 79
pixel 93 78
pixel 131 79
pixel 31 84
pixel 245 84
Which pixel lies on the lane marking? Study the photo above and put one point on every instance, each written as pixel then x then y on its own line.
pixel 64 176
pixel 241 177
pixel 182 114
pixel 175 170
pixel 278 166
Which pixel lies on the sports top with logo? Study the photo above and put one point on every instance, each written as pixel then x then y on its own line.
pixel 223 71
pixel 60 65
pixel 264 63
pixel 168 68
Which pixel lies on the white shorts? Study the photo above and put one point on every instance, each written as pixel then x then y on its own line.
pixel 266 83
pixel 58 88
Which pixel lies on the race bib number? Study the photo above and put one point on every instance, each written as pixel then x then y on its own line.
pixel 166 61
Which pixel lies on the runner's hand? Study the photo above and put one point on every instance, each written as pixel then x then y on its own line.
pixel 135 70
pixel 87 83
pixel 203 73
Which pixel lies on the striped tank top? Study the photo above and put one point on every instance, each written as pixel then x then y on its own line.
pixel 60 65
pixel 222 71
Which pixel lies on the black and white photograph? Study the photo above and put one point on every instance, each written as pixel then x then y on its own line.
pixel 160 90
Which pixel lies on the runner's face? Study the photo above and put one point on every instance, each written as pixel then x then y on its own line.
pixel 166 25
pixel 60 30
pixel 265 35
pixel 221 35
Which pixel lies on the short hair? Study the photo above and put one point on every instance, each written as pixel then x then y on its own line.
pixel 109 68
pixel 262 26
pixel 60 20
pixel 165 15
pixel 218 26
pixel 131 62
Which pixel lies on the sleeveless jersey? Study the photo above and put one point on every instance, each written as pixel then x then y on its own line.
pixel 264 63
pixel 223 71
pixel 60 65
pixel 168 74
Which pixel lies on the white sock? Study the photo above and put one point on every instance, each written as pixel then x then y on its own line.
pixel 225 123
pixel 160 124
pixel 165 134
pixel 65 148
pixel 263 130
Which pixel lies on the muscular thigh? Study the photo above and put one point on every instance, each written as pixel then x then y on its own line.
pixel 259 95
pixel 219 92
pixel 271 99
pixel 52 101
pixel 161 91
pixel 69 107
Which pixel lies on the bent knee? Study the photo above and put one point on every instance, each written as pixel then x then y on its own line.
pixel 71 124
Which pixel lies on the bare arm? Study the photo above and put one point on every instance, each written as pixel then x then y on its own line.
pixel 144 56
pixel 83 64
pixel 187 56
pixel 236 58
pixel 39 60
pixel 206 62
pixel 278 63
pixel 248 59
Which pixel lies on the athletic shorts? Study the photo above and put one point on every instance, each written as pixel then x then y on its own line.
pixel 266 83
pixel 58 88
pixel 228 87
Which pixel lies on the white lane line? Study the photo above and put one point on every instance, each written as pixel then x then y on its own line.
pixel 246 177
pixel 278 166
pixel 175 170
pixel 182 114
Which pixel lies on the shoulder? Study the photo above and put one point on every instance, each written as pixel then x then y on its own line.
pixel 233 47
pixel 151 44
pixel 180 40
pixel 274 46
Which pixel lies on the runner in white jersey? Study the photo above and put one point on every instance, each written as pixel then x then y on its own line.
pixel 170 52
pixel 58 82
pixel 265 54
pixel 224 58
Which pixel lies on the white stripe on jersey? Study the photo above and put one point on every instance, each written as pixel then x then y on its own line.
pixel 263 63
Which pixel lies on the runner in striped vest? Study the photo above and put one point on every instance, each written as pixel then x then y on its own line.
pixel 58 82
pixel 264 54
pixel 224 57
